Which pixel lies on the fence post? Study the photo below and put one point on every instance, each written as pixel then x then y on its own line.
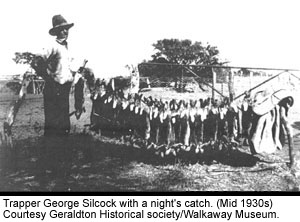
pixel 213 83
pixel 181 81
pixel 34 86
pixel 231 85
pixel 251 79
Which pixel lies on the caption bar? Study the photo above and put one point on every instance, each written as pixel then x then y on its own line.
pixel 149 208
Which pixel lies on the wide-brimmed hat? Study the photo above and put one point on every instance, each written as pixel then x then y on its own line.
pixel 59 22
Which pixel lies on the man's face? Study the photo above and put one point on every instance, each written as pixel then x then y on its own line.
pixel 62 34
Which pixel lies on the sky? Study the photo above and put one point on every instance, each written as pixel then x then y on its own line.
pixel 111 34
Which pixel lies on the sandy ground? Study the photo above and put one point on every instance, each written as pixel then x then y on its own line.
pixel 85 163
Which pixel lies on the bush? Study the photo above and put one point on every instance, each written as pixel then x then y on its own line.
pixel 14 86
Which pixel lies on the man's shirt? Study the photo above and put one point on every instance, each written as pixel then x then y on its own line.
pixel 59 62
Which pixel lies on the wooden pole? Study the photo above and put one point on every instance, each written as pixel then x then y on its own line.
pixel 251 79
pixel 231 85
pixel 219 66
pixel 294 154
pixel 181 83
pixel 34 85
pixel 295 76
pixel 213 83
pixel 222 88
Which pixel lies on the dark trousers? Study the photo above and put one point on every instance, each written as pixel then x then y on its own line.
pixel 56 108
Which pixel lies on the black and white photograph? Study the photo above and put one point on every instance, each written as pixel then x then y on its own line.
pixel 159 96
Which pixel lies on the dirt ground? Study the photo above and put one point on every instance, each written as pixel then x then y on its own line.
pixel 83 162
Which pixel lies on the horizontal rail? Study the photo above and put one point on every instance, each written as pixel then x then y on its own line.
pixel 217 66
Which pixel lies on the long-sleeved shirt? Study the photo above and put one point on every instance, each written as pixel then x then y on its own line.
pixel 59 62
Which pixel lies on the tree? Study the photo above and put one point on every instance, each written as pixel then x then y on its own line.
pixel 23 57
pixel 20 58
pixel 185 52
pixel 182 52
pixel 29 58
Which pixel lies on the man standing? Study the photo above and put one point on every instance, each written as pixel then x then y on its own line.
pixel 54 65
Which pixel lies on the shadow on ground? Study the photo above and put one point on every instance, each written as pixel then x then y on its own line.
pixel 81 163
